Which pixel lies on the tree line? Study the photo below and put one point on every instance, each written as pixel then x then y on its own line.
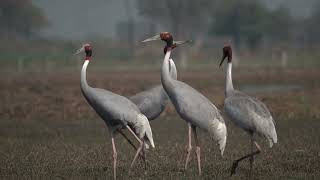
pixel 247 22
pixel 21 17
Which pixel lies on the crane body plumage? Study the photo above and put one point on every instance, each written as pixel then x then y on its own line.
pixel 251 115
pixel 196 109
pixel 193 107
pixel 152 102
pixel 246 112
pixel 117 112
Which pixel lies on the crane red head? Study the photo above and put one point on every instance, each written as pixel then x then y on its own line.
pixel 227 53
pixel 87 48
pixel 168 38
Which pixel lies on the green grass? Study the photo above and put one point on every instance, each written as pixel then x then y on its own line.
pixel 118 60
pixel 47 130
pixel 42 149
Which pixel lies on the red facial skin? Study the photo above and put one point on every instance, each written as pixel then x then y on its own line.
pixel 88 51
pixel 167 47
pixel 167 37
pixel 227 52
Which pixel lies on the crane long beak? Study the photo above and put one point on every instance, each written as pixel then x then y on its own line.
pixel 79 51
pixel 223 58
pixel 182 42
pixel 154 38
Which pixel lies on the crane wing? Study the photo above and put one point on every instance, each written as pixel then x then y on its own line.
pixel 192 105
pixel 112 107
pixel 151 102
pixel 250 114
pixel 196 109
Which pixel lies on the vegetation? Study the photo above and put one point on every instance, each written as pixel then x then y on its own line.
pixel 249 22
pixel 184 18
pixel 47 130
pixel 20 18
pixel 257 32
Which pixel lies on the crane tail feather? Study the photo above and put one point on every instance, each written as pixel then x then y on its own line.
pixel 145 131
pixel 218 132
pixel 272 137
pixel 267 129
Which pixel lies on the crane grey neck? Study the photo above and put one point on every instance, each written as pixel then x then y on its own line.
pixel 84 85
pixel 173 69
pixel 229 85
pixel 166 78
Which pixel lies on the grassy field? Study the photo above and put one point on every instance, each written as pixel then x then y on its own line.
pixel 47 130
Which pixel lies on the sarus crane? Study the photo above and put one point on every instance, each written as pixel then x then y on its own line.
pixel 152 102
pixel 117 111
pixel 246 112
pixel 191 105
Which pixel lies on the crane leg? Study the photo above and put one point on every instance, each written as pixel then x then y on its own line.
pixel 197 148
pixel 126 137
pixel 114 159
pixel 251 155
pixel 142 155
pixel 139 149
pixel 189 147
pixel 137 154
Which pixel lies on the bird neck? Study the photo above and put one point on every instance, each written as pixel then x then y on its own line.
pixel 84 84
pixel 229 85
pixel 173 70
pixel 166 78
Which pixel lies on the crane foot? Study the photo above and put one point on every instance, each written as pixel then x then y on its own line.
pixel 234 167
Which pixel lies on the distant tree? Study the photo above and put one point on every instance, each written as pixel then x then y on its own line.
pixel 242 20
pixel 245 21
pixel 316 11
pixel 279 25
pixel 130 26
pixel 181 17
pixel 21 17
pixel 184 18
pixel 249 21
pixel 312 26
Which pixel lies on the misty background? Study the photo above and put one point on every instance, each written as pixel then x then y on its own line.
pixel 102 16
pixel 41 35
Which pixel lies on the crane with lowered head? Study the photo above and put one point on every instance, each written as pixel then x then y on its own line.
pixel 152 102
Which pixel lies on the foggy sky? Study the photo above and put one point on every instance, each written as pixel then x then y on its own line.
pixel 76 19
pixel 298 8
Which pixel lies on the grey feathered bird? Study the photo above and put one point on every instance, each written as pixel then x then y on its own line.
pixel 247 113
pixel 191 105
pixel 152 102
pixel 117 111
